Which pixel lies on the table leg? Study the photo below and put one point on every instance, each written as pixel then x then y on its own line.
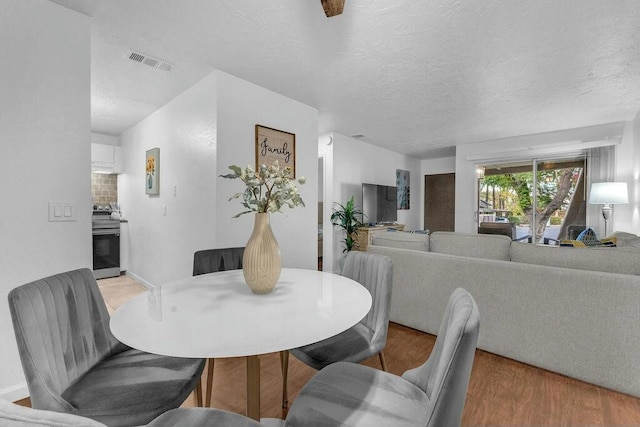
pixel 284 366
pixel 253 387
pixel 198 393
pixel 210 364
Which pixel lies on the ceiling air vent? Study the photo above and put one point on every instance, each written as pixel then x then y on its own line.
pixel 148 60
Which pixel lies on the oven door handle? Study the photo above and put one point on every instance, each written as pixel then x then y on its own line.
pixel 106 232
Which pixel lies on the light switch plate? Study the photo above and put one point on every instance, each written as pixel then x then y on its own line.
pixel 61 211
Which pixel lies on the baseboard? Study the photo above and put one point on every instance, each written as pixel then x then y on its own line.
pixel 140 280
pixel 15 392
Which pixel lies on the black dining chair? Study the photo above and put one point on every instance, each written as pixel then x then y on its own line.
pixel 211 261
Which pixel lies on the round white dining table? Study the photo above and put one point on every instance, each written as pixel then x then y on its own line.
pixel 216 315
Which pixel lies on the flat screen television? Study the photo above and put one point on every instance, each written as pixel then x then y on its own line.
pixel 379 204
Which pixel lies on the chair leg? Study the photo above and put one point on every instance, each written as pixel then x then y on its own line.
pixel 198 393
pixel 210 363
pixel 284 365
pixel 383 361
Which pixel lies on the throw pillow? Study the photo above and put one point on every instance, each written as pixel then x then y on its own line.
pixel 588 234
pixel 608 242
pixel 572 243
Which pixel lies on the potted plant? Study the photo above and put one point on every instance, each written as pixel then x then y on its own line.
pixel 348 218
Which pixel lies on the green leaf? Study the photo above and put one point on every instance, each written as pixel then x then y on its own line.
pixel 236 169
pixel 241 213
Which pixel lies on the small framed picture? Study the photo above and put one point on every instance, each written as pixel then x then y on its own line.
pixel 403 189
pixel 272 145
pixel 152 172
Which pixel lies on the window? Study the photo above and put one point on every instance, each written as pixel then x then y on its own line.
pixel 544 198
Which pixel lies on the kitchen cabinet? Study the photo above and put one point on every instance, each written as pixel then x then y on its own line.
pixel 106 158
pixel 118 162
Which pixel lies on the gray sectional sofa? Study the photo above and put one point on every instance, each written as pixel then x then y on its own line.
pixel 575 311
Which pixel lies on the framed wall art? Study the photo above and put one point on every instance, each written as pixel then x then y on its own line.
pixel 152 172
pixel 272 145
pixel 402 186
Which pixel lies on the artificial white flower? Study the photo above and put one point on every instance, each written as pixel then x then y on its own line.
pixel 268 189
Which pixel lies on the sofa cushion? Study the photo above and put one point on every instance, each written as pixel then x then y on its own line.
pixel 626 239
pixel 609 242
pixel 487 246
pixel 415 241
pixel 608 260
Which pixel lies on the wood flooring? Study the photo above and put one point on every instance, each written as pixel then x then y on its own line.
pixel 502 392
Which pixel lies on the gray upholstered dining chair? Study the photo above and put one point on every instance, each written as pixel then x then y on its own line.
pixel 73 364
pixel 19 416
pixel 363 340
pixel 211 261
pixel 432 394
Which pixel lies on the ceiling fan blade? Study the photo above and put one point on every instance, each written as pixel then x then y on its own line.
pixel 332 7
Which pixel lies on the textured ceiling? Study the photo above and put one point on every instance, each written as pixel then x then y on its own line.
pixel 416 77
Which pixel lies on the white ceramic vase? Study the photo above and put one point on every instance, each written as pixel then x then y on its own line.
pixel 261 262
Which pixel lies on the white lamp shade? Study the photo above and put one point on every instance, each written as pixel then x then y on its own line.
pixel 612 193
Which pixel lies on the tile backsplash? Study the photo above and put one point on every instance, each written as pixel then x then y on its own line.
pixel 104 188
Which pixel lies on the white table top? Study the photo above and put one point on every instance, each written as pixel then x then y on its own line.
pixel 216 315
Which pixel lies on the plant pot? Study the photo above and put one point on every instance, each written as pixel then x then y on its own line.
pixel 261 262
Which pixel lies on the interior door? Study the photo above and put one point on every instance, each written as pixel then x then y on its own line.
pixel 440 202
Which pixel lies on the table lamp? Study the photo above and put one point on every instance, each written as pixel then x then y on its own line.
pixel 607 194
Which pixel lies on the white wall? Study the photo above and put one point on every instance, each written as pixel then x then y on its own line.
pixel 200 133
pixel 438 166
pixel 44 155
pixel 242 105
pixel 161 246
pixel 355 162
pixel 627 217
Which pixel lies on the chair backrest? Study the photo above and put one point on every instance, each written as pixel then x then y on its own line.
pixel 61 325
pixel 444 377
pixel 15 416
pixel 503 228
pixel 574 230
pixel 212 260
pixel 374 272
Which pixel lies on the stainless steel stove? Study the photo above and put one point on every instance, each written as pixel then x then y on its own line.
pixel 106 244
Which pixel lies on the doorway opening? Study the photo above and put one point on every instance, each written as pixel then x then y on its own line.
pixel 320 210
